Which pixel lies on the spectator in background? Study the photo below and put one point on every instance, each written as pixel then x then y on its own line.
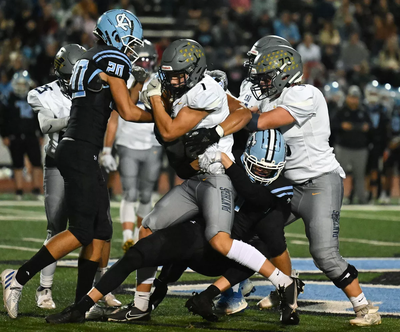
pixel 309 51
pixel 259 7
pixel 204 34
pixel 307 24
pixel 380 135
pixel 286 28
pixel 351 126
pixel 353 54
pixel 365 20
pixel 389 62
pixel 42 72
pixel 311 57
pixel 391 156
pixel 263 26
pixel 384 27
pixel 20 132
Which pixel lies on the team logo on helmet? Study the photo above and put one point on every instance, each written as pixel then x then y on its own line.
pixel 121 18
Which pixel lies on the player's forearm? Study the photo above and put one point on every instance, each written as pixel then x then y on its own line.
pixel 111 131
pixel 163 121
pixel 236 121
pixel 134 92
pixel 48 124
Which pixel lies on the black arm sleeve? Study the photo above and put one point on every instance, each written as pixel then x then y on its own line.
pixel 255 194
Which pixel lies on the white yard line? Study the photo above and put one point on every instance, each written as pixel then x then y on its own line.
pixel 344 239
pixel 2 246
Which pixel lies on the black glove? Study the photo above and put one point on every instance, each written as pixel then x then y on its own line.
pixel 139 74
pixel 220 77
pixel 197 141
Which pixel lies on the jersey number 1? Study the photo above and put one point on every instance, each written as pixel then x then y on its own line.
pixel 78 74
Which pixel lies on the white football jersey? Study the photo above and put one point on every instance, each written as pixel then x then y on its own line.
pixel 50 97
pixel 309 153
pixel 137 136
pixel 246 96
pixel 208 95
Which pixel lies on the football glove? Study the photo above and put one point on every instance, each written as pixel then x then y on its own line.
pixel 145 99
pixel 197 141
pixel 154 88
pixel 139 74
pixel 210 162
pixel 220 77
pixel 107 160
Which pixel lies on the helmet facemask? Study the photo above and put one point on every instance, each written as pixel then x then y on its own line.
pixel 177 83
pixel 260 171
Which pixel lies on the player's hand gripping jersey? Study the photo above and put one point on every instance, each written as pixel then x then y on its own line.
pixel 91 98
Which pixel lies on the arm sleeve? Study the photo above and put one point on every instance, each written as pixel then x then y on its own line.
pixel 47 121
pixel 48 124
pixel 254 194
pixel 299 102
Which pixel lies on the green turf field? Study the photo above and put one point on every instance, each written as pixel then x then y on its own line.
pixel 364 233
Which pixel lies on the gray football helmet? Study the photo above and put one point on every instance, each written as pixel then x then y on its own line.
pixel 273 69
pixel 185 61
pixel 147 57
pixel 64 62
pixel 267 41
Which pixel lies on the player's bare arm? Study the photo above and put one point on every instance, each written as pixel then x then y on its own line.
pixel 274 119
pixel 171 129
pixel 125 106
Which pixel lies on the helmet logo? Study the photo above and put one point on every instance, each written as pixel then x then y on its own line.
pixel 123 22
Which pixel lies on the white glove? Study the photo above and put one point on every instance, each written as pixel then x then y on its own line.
pixel 145 99
pixel 107 160
pixel 210 162
pixel 154 88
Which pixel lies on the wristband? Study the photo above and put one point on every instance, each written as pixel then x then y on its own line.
pixel 107 150
pixel 253 124
pixel 220 131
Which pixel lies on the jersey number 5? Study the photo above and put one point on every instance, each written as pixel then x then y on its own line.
pixel 76 83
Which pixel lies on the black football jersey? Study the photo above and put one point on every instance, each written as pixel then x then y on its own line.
pixel 91 97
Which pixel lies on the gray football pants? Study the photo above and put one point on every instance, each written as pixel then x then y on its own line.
pixel 318 203
pixel 54 202
pixel 139 170
pixel 56 213
pixel 212 195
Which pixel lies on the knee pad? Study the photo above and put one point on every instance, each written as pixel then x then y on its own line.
pixel 346 278
pixel 130 195
pixel 329 261
pixel 143 209
pixel 127 211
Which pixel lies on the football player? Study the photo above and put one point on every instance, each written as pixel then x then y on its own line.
pixel 302 114
pixel 20 131
pixel 139 155
pixel 198 101
pixel 97 83
pixel 52 102
pixel 185 244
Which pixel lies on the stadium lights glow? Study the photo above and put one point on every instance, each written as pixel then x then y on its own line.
pixel 327 88
pixel 335 84
pixel 375 83
pixel 388 86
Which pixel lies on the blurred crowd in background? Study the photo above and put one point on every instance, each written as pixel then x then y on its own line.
pixel 350 50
